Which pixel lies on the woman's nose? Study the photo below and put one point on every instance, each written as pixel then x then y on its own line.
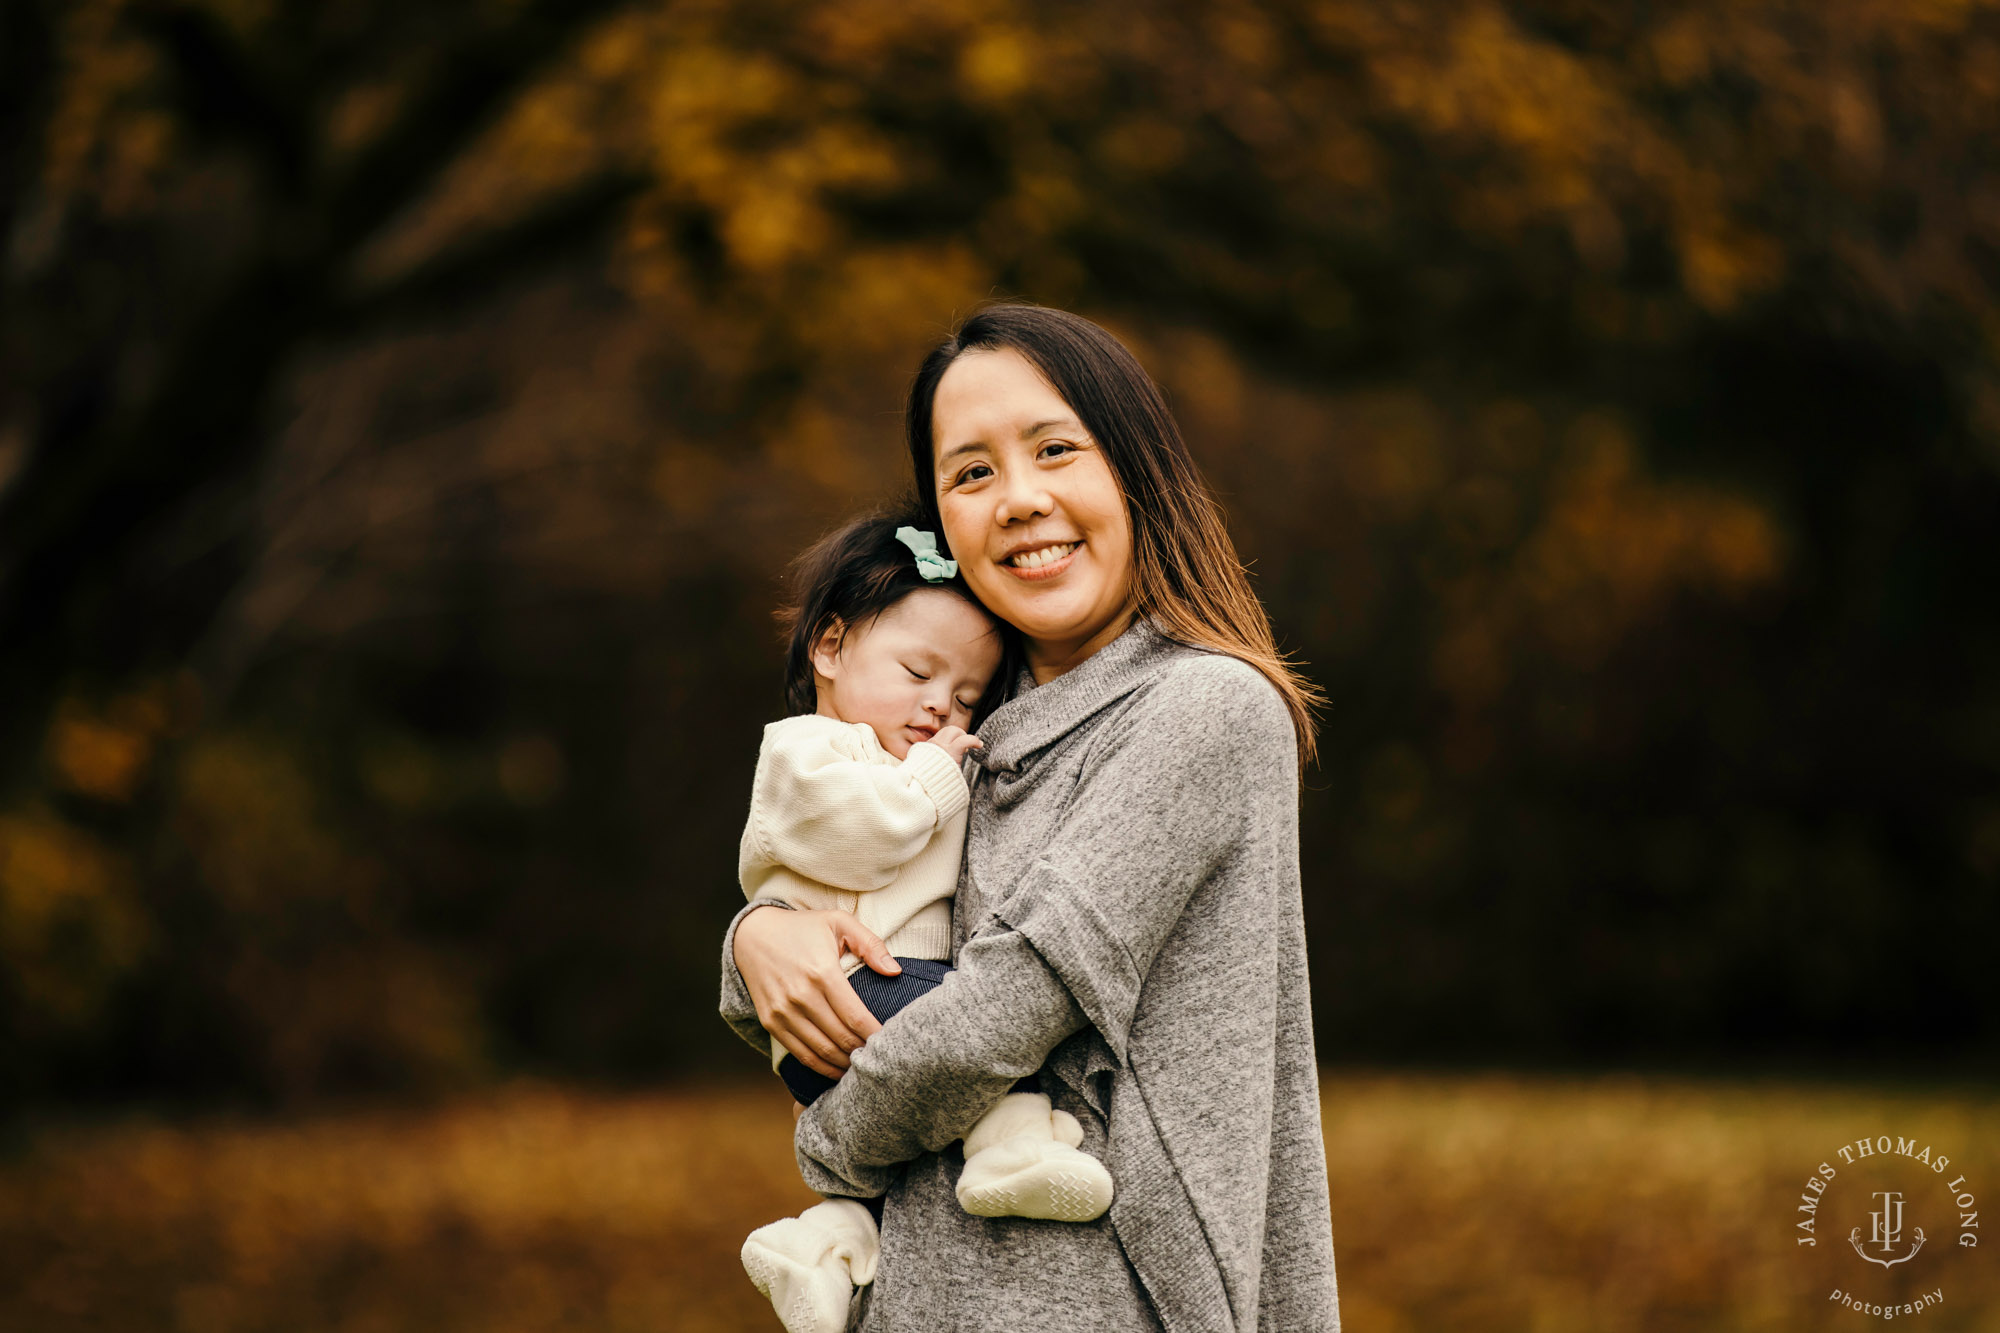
pixel 1023 496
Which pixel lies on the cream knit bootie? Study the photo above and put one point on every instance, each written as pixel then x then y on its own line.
pixel 1021 1160
pixel 809 1265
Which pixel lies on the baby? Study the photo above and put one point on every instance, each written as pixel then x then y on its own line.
pixel 859 803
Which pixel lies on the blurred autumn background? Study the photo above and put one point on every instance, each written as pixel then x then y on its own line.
pixel 406 411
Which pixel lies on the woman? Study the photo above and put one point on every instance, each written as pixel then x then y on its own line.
pixel 1128 920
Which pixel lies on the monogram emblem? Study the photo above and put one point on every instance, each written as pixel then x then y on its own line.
pixel 1886 1231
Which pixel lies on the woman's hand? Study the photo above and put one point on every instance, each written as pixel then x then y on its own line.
pixel 790 961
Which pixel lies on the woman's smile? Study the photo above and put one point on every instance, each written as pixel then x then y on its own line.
pixel 1042 562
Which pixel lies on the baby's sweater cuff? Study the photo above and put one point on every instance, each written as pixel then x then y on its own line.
pixel 941 779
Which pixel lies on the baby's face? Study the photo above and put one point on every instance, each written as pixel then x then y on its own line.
pixel 919 666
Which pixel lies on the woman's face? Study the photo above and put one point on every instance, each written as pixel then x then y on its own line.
pixel 1032 511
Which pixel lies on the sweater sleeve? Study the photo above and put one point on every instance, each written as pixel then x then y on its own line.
pixel 738 1010
pixel 844 820
pixel 1161 804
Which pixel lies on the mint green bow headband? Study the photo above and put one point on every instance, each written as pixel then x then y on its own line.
pixel 934 567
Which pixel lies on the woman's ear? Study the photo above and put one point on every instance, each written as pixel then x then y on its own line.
pixel 826 648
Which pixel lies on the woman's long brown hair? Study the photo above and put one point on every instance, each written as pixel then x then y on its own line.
pixel 1186 576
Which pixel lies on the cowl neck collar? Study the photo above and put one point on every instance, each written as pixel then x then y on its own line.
pixel 1039 714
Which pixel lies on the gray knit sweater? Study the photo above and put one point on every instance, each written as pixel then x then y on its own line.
pixel 1128 923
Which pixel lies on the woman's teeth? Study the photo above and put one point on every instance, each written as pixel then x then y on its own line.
pixel 1047 555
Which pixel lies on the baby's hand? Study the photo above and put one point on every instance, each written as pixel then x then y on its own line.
pixel 955 741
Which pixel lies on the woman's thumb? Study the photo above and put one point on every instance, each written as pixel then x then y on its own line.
pixel 866 945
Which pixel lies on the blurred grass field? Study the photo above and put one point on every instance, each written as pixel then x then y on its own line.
pixel 1460 1203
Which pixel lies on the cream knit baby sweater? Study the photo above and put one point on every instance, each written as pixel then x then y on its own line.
pixel 837 821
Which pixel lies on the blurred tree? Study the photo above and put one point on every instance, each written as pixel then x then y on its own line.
pixel 1608 397
pixel 188 192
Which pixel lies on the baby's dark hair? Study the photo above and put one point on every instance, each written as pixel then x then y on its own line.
pixel 855 573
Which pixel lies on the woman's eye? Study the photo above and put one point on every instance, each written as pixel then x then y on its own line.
pixel 976 472
pixel 1063 445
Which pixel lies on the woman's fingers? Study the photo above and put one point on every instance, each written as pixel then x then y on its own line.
pixel 834 1008
pixel 819 1064
pixel 866 945
pixel 813 1017
pixel 856 1024
pixel 809 1046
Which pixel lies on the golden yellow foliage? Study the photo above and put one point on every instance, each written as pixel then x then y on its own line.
pixel 70 924
pixel 1469 1203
